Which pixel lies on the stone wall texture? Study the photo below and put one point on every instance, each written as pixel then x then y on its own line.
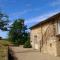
pixel 50 43
pixel 3 53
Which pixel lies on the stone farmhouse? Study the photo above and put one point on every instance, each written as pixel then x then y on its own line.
pixel 45 36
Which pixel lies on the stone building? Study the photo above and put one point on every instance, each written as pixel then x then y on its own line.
pixel 45 36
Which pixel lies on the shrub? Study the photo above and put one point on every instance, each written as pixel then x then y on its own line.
pixel 0 38
pixel 27 44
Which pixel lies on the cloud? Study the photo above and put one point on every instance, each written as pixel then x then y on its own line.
pixel 37 19
pixel 55 3
pixel 16 15
pixel 20 14
pixel 3 34
pixel 28 5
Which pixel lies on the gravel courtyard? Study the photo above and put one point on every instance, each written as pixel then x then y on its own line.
pixel 30 54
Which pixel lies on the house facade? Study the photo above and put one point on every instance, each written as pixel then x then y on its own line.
pixel 45 36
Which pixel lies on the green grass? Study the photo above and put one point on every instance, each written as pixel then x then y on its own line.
pixel 4 42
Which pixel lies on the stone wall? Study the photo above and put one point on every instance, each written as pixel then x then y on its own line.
pixel 53 42
pixel 58 46
pixel 39 31
pixel 39 36
pixel 3 53
pixel 50 47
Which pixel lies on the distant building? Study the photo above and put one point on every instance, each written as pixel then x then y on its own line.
pixel 45 36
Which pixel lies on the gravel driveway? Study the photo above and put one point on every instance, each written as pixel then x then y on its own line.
pixel 30 54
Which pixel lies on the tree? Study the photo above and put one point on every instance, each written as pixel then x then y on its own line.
pixel 3 21
pixel 17 33
pixel 27 43
pixel 0 38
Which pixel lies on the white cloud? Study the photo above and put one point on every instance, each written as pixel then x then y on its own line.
pixel 55 3
pixel 20 14
pixel 3 34
pixel 37 19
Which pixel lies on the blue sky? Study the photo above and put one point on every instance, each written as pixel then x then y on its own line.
pixel 32 11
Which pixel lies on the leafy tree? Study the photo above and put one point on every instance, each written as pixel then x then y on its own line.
pixel 3 21
pixel 27 43
pixel 17 33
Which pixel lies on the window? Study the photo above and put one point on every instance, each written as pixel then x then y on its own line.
pixel 35 39
pixel 58 28
pixel 50 44
pixel 59 39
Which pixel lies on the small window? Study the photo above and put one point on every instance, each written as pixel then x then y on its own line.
pixel 50 44
pixel 59 39
pixel 35 38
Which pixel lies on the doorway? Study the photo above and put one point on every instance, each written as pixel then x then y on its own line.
pixel 35 42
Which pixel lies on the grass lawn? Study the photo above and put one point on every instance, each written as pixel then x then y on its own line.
pixel 4 42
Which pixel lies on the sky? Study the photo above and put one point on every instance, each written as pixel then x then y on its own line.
pixel 33 11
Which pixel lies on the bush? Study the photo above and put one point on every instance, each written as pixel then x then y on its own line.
pixel 0 38
pixel 27 44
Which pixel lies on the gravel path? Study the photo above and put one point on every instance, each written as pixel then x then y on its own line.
pixel 30 54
